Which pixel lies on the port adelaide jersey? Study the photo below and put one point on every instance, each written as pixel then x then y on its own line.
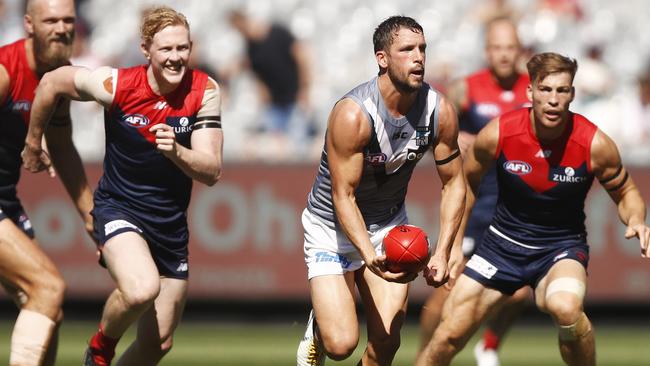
pixel 136 176
pixel 395 146
pixel 543 186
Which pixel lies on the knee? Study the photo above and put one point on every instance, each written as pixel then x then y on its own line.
pixel 141 294
pixel 339 347
pixel 579 329
pixel 47 291
pixel 565 309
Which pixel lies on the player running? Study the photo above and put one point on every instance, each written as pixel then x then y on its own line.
pixel 376 134
pixel 163 131
pixel 26 273
pixel 546 158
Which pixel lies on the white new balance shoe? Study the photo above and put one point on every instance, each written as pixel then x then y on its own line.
pixel 310 350
pixel 485 357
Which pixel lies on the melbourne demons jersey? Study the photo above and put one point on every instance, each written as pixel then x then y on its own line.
pixel 486 100
pixel 395 146
pixel 542 186
pixel 136 176
pixel 14 118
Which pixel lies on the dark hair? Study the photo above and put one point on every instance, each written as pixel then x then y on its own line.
pixel 383 36
pixel 543 64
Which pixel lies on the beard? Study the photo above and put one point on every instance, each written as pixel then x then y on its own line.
pixel 402 84
pixel 53 52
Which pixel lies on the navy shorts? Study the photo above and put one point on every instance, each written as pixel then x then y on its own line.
pixel 167 243
pixel 20 219
pixel 500 264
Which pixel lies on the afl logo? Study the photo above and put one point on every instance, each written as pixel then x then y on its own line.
pixel 136 120
pixel 376 159
pixel 184 121
pixel 21 106
pixel 517 167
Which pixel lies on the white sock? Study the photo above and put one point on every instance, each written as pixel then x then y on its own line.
pixel 30 338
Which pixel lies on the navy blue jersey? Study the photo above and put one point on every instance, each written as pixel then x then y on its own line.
pixel 137 177
pixel 486 100
pixel 542 187
pixel 14 118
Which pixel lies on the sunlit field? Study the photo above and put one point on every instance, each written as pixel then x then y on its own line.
pixel 229 344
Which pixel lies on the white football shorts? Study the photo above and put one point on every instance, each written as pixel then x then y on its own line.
pixel 329 251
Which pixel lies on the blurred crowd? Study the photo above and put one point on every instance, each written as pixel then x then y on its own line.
pixel 283 63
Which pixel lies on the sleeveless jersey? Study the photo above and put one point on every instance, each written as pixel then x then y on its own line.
pixel 486 100
pixel 542 187
pixel 395 147
pixel 137 177
pixel 14 118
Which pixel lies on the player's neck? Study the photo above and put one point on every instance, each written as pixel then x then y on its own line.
pixel 396 101
pixel 546 134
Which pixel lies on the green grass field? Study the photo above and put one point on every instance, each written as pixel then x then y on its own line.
pixel 227 344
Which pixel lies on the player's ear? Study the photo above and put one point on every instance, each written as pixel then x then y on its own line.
pixel 529 92
pixel 382 59
pixel 28 24
pixel 573 93
pixel 145 51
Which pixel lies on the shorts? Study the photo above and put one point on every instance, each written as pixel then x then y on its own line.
pixel 20 219
pixel 168 247
pixel 504 265
pixel 329 252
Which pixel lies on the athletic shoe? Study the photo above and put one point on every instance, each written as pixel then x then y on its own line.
pixel 484 356
pixel 310 350
pixel 89 359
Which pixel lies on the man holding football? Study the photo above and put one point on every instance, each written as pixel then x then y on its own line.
pixel 376 134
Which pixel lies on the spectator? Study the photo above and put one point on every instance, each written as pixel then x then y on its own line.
pixel 281 65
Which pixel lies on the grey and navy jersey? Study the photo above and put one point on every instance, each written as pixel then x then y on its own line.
pixel 395 147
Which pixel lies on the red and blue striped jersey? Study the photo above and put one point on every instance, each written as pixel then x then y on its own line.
pixel 542 186
pixel 137 176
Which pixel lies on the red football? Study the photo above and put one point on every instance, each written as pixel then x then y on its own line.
pixel 406 248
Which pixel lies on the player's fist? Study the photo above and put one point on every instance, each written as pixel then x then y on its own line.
pixel 165 139
pixel 35 159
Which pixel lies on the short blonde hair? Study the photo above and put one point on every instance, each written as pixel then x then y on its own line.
pixel 543 64
pixel 157 19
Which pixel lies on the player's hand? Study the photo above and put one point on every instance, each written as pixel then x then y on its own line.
pixel 641 231
pixel 35 160
pixel 379 266
pixel 456 265
pixel 165 139
pixel 436 272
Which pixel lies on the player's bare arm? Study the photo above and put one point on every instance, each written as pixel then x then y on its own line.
pixel 71 82
pixel 612 175
pixel 65 159
pixel 203 161
pixel 348 132
pixel 479 159
pixel 458 97
pixel 475 164
pixel 452 202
